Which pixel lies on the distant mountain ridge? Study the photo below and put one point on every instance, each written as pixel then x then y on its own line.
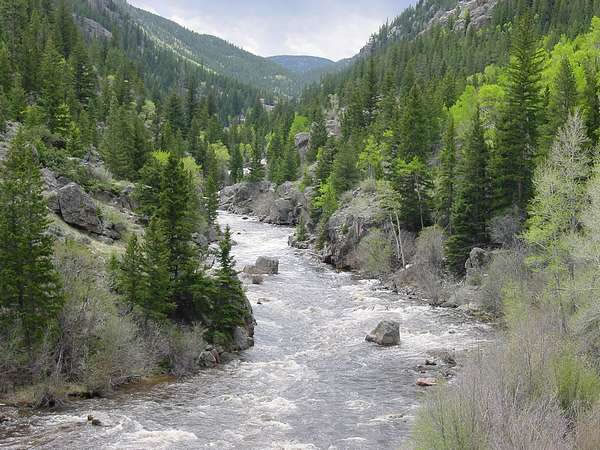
pixel 302 63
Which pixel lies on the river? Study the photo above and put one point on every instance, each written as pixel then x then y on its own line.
pixel 310 382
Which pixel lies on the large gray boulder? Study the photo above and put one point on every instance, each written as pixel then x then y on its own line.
pixel 386 334
pixel 78 209
pixel 267 266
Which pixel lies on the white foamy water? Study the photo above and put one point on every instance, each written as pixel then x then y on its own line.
pixel 311 381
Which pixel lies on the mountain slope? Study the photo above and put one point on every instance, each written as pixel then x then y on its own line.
pixel 302 64
pixel 215 53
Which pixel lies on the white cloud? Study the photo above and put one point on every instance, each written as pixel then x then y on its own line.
pixel 333 29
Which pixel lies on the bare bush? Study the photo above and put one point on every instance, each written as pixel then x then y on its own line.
pixel 116 358
pixel 429 262
pixel 587 433
pixel 503 399
pixel 185 347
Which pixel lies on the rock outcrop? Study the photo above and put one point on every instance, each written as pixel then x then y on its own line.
pixel 386 334
pixel 348 226
pixel 78 209
pixel 279 205
pixel 302 142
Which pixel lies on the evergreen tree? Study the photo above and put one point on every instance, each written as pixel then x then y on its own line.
pixel 156 301
pixel 129 275
pixel 592 103
pixel 211 199
pixel 412 130
pixel 345 174
pixel 229 307
pixel 84 77
pixel 257 171
pixel 53 96
pixel 236 164
pixel 514 157
pixel 446 179
pixel 30 292
pixel 177 210
pixel 370 93
pixel 318 136
pixel 565 94
pixel 470 210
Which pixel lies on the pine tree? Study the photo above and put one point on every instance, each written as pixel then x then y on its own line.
pixel 30 290
pixel 446 179
pixel 211 199
pixel 411 135
pixel 83 74
pixel 229 310
pixel 345 174
pixel 156 299
pixel 17 99
pixel 370 92
pixel 53 96
pixel 257 171
pixel 514 157
pixel 177 210
pixel 129 274
pixel 318 136
pixel 236 164
pixel 564 98
pixel 592 103
pixel 470 210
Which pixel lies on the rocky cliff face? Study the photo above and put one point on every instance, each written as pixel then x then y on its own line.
pixel 283 205
pixel 348 226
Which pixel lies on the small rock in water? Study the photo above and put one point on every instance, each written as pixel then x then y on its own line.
pixel 90 418
pixel 429 362
pixel 245 218
pixel 426 382
pixel 387 333
pixel 257 279
pixel 96 423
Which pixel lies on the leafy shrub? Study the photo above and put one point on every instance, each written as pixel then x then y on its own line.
pixel 374 253
pixel 577 385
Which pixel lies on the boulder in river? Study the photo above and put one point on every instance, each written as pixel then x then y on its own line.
pixel 426 382
pixel 263 266
pixel 386 334
pixel 242 339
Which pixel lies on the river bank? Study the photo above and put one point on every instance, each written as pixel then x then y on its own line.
pixel 311 381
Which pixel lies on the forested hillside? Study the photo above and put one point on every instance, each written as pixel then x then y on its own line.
pixel 457 155
pixel 106 274
pixel 480 140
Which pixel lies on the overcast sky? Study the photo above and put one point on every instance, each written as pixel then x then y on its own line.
pixel 333 29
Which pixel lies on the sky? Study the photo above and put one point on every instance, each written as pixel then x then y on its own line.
pixel 333 29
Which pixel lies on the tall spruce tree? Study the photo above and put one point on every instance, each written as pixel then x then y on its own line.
pixel 470 209
pixel 156 290
pixel 514 157
pixel 446 179
pixel 229 310
pixel 30 291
